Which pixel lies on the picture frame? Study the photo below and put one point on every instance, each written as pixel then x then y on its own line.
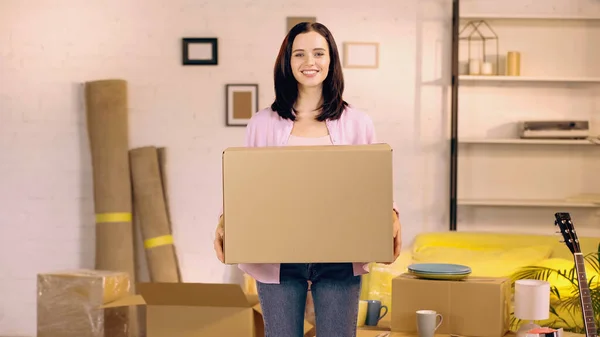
pixel 200 51
pixel 363 55
pixel 294 20
pixel 241 103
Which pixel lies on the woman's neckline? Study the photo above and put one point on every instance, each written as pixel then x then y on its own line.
pixel 326 136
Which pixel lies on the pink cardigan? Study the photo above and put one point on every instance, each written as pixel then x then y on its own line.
pixel 266 128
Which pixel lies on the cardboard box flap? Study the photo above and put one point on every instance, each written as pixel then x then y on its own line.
pixel 252 300
pixel 337 148
pixel 125 302
pixel 194 294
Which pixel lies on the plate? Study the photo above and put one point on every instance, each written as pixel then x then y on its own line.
pixel 444 271
pixel 452 277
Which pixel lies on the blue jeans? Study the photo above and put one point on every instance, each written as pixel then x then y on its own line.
pixel 335 292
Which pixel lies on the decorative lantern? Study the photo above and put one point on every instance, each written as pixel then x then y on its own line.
pixel 480 63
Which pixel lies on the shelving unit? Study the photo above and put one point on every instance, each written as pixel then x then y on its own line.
pixel 491 168
pixel 473 16
pixel 517 141
pixel 499 78
pixel 526 203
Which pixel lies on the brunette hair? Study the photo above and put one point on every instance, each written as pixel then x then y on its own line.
pixel 286 86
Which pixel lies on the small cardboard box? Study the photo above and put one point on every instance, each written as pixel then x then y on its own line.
pixel 476 306
pixel 308 204
pixel 374 333
pixel 68 303
pixel 196 309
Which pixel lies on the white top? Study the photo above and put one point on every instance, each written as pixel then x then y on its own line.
pixel 303 141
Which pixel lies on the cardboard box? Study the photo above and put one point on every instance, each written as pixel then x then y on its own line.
pixel 308 204
pixel 196 309
pixel 68 304
pixel 381 330
pixel 476 306
pixel 374 333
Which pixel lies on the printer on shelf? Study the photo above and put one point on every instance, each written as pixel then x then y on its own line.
pixel 555 129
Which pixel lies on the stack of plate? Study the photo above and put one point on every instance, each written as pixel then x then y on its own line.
pixel 439 271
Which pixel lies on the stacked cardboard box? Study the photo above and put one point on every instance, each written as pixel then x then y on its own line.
pixel 383 333
pixel 69 304
pixel 196 309
pixel 475 306
pixel 338 209
pixel 471 307
pixel 339 198
pixel 93 303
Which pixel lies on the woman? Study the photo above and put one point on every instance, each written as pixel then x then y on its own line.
pixel 309 110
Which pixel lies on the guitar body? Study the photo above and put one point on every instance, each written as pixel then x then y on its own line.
pixel 564 222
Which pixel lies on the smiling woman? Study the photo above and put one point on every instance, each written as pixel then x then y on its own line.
pixel 308 110
pixel 310 59
pixel 309 53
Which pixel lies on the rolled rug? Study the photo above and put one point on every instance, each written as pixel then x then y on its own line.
pixel 151 211
pixel 162 163
pixel 107 125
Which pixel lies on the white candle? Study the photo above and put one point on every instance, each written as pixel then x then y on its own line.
pixel 463 68
pixel 486 68
pixel 474 67
pixel 532 300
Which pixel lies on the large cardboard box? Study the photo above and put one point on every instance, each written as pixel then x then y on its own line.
pixel 68 304
pixel 308 204
pixel 476 306
pixel 196 310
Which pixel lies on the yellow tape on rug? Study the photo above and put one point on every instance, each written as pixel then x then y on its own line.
pixel 113 217
pixel 158 241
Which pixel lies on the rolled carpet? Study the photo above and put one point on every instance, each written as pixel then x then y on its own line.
pixel 107 125
pixel 151 210
pixel 162 163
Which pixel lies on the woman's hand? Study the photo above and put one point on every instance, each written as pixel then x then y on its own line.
pixel 397 238
pixel 219 240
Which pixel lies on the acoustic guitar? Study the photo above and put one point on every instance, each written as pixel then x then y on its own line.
pixel 564 222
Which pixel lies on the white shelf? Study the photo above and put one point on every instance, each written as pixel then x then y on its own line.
pixel 501 78
pixel 526 203
pixel 475 16
pixel 518 141
pixel 501 174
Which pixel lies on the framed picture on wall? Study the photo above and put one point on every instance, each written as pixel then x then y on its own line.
pixel 241 103
pixel 200 51
pixel 361 55
pixel 294 20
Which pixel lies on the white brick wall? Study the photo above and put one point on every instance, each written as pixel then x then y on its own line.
pixel 48 48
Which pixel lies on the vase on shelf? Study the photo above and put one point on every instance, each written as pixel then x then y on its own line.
pixel 513 63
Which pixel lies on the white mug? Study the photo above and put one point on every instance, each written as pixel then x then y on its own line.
pixel 427 322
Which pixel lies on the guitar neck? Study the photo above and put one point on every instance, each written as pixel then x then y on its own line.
pixel 585 297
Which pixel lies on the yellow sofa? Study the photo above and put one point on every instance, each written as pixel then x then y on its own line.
pixel 488 254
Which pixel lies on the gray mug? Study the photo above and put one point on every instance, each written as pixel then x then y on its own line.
pixel 374 312
pixel 427 322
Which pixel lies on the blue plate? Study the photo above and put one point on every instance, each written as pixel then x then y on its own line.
pixel 439 269
pixel 453 277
